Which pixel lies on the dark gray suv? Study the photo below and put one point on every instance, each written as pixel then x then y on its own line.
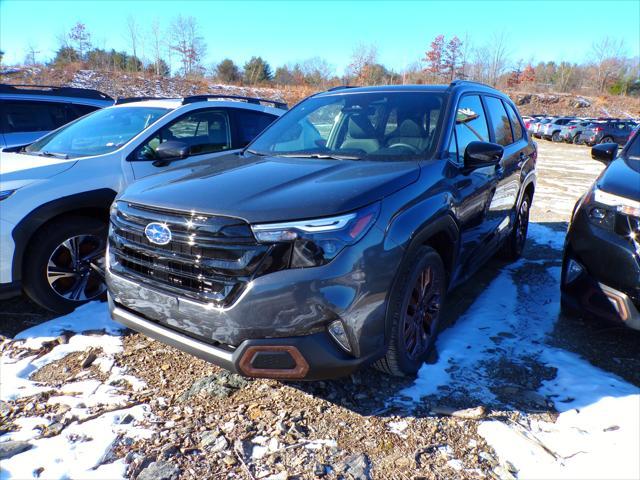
pixel 332 240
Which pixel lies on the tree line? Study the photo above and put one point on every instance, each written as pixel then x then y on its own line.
pixel 179 49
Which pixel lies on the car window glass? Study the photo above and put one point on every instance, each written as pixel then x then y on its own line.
pixel 100 132
pixel 373 125
pixel 203 132
pixel 76 111
pixel 471 123
pixel 633 152
pixel 499 120
pixel 515 123
pixel 249 124
pixel 28 117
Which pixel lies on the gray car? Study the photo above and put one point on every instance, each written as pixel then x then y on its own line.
pixel 27 112
pixel 572 131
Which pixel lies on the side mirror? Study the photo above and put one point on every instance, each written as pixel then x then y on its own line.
pixel 172 150
pixel 482 154
pixel 605 152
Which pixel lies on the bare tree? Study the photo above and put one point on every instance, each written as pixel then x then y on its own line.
pixel 608 57
pixel 498 57
pixel 362 58
pixel 156 45
pixel 187 43
pixel 133 37
pixel 30 57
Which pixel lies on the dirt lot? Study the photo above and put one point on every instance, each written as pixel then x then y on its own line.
pixel 499 363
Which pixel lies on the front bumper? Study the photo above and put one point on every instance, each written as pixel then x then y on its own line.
pixel 309 357
pixel 608 285
pixel 276 309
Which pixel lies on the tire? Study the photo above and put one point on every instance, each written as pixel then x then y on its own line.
pixel 424 271
pixel 63 269
pixel 515 242
pixel 555 137
pixel 577 140
pixel 606 140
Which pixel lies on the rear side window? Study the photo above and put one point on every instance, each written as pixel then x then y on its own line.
pixel 515 123
pixel 499 120
pixel 249 124
pixel 471 123
pixel 76 111
pixel 633 151
pixel 26 116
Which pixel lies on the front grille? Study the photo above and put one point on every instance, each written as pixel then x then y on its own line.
pixel 209 258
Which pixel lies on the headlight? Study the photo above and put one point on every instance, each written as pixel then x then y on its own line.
pixel 621 204
pixel 318 241
pixel 4 194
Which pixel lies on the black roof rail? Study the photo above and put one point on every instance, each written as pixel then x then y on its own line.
pixel 457 82
pixel 53 90
pixel 253 100
pixel 340 87
pixel 120 101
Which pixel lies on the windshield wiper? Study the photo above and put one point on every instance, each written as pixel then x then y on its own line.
pixel 46 153
pixel 329 156
pixel 255 152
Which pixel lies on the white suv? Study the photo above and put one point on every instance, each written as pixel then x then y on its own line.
pixel 55 194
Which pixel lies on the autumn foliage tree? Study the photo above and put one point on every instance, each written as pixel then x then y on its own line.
pixel 443 58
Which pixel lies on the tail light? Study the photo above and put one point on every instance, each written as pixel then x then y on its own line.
pixel 597 129
pixel 572 128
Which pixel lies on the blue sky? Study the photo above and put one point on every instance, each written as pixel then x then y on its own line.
pixel 291 31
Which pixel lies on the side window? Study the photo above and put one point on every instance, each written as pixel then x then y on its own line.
pixel 515 123
pixel 499 120
pixel 634 149
pixel 249 124
pixel 203 131
pixel 28 117
pixel 76 111
pixel 471 123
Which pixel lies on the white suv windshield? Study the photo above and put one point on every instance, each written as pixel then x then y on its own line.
pixel 100 132
pixel 354 126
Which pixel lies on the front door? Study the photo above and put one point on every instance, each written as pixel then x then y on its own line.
pixel 205 132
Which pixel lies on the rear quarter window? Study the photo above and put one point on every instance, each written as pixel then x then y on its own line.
pixel 516 126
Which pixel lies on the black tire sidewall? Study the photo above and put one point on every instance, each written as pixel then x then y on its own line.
pixel 39 250
pixel 414 265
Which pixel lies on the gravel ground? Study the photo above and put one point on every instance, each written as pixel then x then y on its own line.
pixel 207 423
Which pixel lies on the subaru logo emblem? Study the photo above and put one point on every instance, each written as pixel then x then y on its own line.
pixel 158 233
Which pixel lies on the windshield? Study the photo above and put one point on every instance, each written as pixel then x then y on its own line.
pixel 355 126
pixel 102 131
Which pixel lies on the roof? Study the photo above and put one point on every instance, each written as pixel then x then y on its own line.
pixel 455 85
pixel 174 103
pixel 36 91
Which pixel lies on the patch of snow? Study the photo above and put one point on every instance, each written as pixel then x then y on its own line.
pixel 84 444
pixel 398 427
pixel 597 434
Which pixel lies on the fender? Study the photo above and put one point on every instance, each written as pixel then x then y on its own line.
pixel 94 199
pixel 419 233
pixel 530 178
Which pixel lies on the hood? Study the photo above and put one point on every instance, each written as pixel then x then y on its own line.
pixel 21 168
pixel 266 189
pixel 622 177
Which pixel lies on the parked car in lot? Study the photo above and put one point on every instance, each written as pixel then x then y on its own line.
pixel 572 131
pixel 27 112
pixel 538 126
pixel 331 241
pixel 601 265
pixel 608 131
pixel 551 130
pixel 55 193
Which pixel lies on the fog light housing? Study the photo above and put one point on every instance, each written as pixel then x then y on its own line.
pixel 574 270
pixel 339 334
pixel 598 213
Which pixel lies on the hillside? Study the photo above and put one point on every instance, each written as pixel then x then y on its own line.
pixel 138 84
